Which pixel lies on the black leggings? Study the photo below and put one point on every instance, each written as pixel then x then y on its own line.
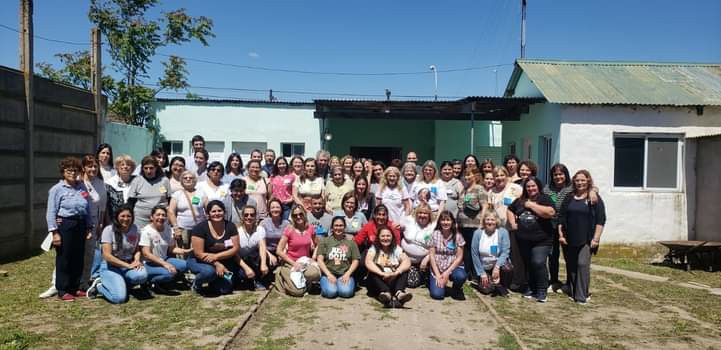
pixel 70 255
pixel 377 285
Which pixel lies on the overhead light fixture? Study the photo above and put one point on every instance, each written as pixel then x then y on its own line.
pixel 327 135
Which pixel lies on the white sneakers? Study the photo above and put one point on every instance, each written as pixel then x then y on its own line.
pixel 51 292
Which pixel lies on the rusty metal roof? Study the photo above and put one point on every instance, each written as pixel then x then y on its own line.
pixel 622 83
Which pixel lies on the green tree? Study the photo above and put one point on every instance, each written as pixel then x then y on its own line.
pixel 133 41
pixel 76 71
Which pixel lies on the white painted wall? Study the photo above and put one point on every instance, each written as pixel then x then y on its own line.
pixel 586 135
pixel 233 122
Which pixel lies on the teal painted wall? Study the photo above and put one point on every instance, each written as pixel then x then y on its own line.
pixel 132 140
pixel 541 119
pixel 409 135
pixel 453 138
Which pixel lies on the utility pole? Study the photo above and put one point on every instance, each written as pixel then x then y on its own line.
pixel 96 76
pixel 26 64
pixel 435 81
pixel 523 29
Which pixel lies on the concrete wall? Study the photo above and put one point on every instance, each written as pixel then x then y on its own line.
pixel 708 188
pixel 541 120
pixel 65 124
pixel 134 141
pixel 409 135
pixel 586 136
pixel 239 122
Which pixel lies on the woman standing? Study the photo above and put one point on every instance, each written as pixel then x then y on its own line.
pixel 354 219
pixel 410 176
pixel 530 216
pixel 417 232
pixel 503 194
pixel 470 161
pixel 258 188
pixel 491 252
pixel 186 210
pixel 252 253
pixel 104 154
pixel 68 204
pixel 121 268
pixel 487 166
pixel 157 247
pixel 580 227
pixel 148 190
pixel 297 166
pixel 307 185
pixel 213 187
pixel 118 186
pixel 358 170
pixel 429 188
pixel 215 245
pixel 98 198
pixel 446 256
pixel 233 168
pixel 177 167
pixel 335 189
pixel 274 226
pixel 338 259
pixel 281 183
pixel 376 176
pixel 510 162
pixel 388 268
pixel 457 169
pixel 394 195
pixel 295 250
pixel 473 203
pixel 558 189
pixel 525 169
pixel 453 187
pixel 365 198
pixel 347 163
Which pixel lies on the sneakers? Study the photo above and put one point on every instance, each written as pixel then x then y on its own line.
pixel 528 294
pixel 80 293
pixel 51 292
pixel 403 297
pixel 458 295
pixel 67 297
pixel 259 286
pixel 557 287
pixel 92 292
pixel 541 297
pixel 385 298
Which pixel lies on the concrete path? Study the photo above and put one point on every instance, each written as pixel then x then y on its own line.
pixel 653 278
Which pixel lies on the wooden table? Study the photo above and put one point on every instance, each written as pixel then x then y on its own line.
pixel 706 253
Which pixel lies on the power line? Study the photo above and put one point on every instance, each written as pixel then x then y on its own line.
pixel 47 39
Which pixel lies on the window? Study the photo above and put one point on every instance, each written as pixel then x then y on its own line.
pixel 647 161
pixel 244 148
pixel 545 154
pixel 173 147
pixel 216 151
pixel 292 149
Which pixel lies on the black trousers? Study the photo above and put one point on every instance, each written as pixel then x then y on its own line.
pixel 553 262
pixel 520 279
pixel 467 233
pixel 70 255
pixel 377 285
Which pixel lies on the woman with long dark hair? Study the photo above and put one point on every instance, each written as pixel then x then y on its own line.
pixel 104 154
pixel 233 168
pixel 308 185
pixel 557 189
pixel 446 252
pixel 510 162
pixel 281 182
pixel 388 267
pixel 338 259
pixel 158 249
pixel 177 167
pixel 365 198
pixel 474 201
pixel 252 253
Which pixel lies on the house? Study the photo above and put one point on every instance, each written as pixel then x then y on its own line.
pixel 647 132
pixel 230 126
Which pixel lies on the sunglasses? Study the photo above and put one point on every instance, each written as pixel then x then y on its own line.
pixel 248 215
pixel 298 215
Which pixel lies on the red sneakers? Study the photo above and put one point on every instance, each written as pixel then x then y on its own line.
pixel 80 294
pixel 67 297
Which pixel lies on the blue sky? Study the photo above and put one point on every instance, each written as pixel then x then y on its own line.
pixel 398 36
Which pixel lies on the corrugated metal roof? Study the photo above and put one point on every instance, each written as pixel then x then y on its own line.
pixel 623 83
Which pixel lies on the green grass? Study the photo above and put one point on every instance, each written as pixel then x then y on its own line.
pixel 184 321
pixel 506 340
pixel 647 258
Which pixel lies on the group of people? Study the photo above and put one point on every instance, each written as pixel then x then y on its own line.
pixel 324 224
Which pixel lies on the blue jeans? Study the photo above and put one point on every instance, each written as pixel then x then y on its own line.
pixel 159 274
pixel 339 289
pixel 458 277
pixel 205 273
pixel 115 281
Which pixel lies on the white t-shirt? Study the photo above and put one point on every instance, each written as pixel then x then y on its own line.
pixel 118 185
pixel 184 216
pixel 416 240
pixel 309 188
pixel 127 248
pixel 393 199
pixel 107 172
pixel 249 243
pixel 159 242
pixel 208 191
pixel 387 262
pixel 485 249
pixel 436 190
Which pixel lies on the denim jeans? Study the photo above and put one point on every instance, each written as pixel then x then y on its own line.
pixel 205 273
pixel 159 274
pixel 458 277
pixel 115 281
pixel 337 289
pixel 535 257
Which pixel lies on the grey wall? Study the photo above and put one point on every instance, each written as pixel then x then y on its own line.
pixel 708 188
pixel 65 124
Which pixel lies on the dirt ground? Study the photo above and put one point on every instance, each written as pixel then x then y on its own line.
pixel 361 323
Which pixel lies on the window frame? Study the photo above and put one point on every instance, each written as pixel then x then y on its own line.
pixel 292 146
pixel 680 142
pixel 171 142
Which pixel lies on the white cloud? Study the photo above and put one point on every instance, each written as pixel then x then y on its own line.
pixel 253 55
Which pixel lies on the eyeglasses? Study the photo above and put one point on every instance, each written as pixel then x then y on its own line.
pixel 298 215
pixel 71 170
pixel 189 178
pixel 248 215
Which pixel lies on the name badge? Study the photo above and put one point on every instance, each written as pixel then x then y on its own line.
pixel 507 201
pixel 494 249
pixel 251 187
pixel 195 200
pixel 84 194
pixel 228 243
pixel 451 245
pixel 434 189
pixel 286 181
pixel 162 189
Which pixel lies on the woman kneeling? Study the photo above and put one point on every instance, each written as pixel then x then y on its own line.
pixel 388 267
pixel 338 259
pixel 446 254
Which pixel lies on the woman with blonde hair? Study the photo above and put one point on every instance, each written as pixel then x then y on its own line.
pixel 186 209
pixel 417 230
pixel 295 249
pixel 473 201
pixel 491 253
pixel 429 188
pixel 393 195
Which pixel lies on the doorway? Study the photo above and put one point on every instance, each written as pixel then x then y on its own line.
pixel 383 154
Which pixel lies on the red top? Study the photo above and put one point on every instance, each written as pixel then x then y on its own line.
pixel 369 231
pixel 299 245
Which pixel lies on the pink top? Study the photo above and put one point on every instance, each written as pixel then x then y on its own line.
pixel 283 187
pixel 299 245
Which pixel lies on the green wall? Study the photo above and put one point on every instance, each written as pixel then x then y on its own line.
pixel 453 138
pixel 542 119
pixel 409 135
pixel 135 141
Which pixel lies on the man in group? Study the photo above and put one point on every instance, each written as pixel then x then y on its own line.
pixel 198 143
pixel 319 217
pixel 412 157
pixel 322 158
pixel 269 161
